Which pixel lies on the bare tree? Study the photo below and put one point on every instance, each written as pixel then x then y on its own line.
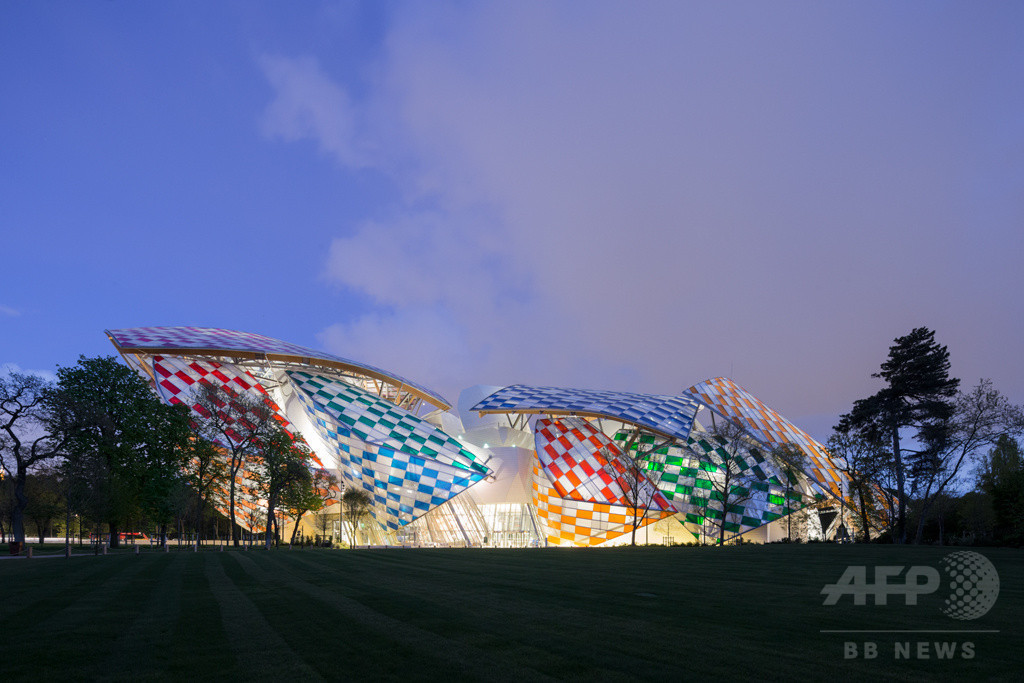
pixel 25 438
pixel 637 469
pixel 789 461
pixel 237 421
pixel 979 418
pixel 728 473
pixel 863 460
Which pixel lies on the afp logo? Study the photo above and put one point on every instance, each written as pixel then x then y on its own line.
pixel 972 581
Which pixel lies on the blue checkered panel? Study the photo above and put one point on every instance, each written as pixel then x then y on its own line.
pixel 407 465
pixel 669 415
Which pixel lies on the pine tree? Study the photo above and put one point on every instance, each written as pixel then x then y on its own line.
pixel 916 398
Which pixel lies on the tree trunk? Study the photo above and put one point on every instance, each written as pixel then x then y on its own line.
pixel 901 516
pixel 20 502
pixel 67 528
pixel 864 515
pixel 235 530
pixel 295 530
pixel 270 524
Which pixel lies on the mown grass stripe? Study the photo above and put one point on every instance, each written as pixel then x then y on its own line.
pixel 259 650
pixel 459 658
pixel 140 651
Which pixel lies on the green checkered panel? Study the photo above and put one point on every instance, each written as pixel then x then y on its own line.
pixel 378 421
pixel 687 480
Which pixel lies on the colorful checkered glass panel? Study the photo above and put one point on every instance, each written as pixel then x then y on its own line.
pixel 670 415
pixel 771 429
pixel 584 464
pixel 373 443
pixel 213 339
pixel 579 523
pixel 377 420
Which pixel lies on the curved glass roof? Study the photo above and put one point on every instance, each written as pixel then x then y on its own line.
pixel 771 429
pixel 218 342
pixel 667 415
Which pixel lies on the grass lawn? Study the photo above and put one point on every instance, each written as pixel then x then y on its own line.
pixel 735 613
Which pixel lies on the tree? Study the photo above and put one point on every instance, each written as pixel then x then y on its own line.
pixel 637 470
pixel 283 463
pixel 119 435
pixel 1001 477
pixel 203 470
pixel 308 494
pixel 237 421
pixel 45 502
pixel 25 437
pixel 357 505
pixel 789 461
pixel 727 473
pixel 861 459
pixel 916 398
pixel 980 418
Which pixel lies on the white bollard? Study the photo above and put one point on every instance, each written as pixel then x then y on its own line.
pixel 29 548
pixel 136 550
pixel 104 548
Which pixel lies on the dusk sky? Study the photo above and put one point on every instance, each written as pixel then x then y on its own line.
pixel 633 196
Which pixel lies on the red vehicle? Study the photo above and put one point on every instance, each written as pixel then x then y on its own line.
pixel 124 536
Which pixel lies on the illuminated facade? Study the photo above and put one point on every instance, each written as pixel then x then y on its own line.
pixel 508 467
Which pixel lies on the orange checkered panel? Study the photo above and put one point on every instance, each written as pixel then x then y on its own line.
pixel 768 427
pixel 579 523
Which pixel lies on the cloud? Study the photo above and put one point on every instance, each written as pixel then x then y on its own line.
pixel 307 105
pixel 7 310
pixel 642 200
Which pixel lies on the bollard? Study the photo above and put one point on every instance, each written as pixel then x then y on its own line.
pixel 104 548
pixel 222 547
pixel 136 551
pixel 167 547
pixel 29 552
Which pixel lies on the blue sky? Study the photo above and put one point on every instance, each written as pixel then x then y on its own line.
pixel 600 195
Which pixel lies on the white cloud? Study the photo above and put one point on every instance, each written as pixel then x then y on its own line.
pixel 7 310
pixel 307 105
pixel 643 200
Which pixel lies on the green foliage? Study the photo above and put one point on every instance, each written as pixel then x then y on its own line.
pixel 1002 478
pixel 282 463
pixel 916 398
pixel 357 505
pixel 122 443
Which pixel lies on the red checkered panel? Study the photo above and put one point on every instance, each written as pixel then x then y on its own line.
pixel 584 464
pixel 177 377
pixel 580 523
